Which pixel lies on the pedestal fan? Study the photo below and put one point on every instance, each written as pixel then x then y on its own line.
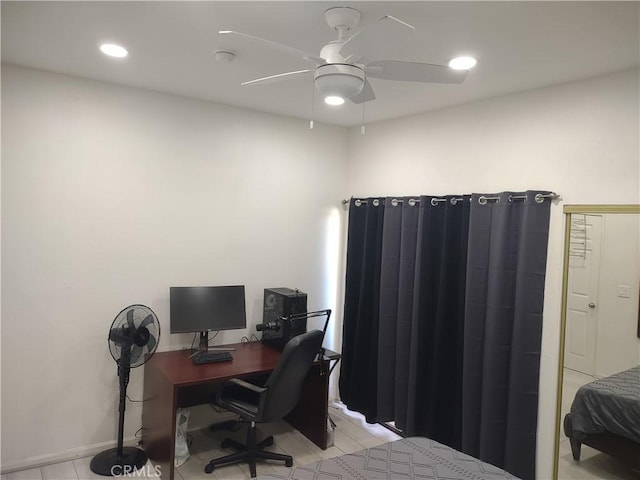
pixel 133 338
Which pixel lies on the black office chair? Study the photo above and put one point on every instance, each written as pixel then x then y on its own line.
pixel 273 401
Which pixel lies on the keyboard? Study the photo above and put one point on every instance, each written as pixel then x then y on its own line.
pixel 211 357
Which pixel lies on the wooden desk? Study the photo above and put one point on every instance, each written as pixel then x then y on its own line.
pixel 171 381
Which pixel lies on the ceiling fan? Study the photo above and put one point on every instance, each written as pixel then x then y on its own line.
pixel 341 73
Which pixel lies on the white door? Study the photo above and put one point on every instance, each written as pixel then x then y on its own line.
pixel 582 293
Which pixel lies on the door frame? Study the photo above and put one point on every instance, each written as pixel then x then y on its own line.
pixel 567 211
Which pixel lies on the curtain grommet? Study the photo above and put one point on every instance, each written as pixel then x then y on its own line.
pixel 482 200
pixel 376 202
pixel 357 202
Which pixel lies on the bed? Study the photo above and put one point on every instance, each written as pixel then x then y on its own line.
pixel 413 457
pixel 605 415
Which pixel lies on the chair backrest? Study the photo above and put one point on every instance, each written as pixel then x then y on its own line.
pixel 285 382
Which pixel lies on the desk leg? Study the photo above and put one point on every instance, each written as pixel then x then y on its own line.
pixel 159 421
pixel 310 415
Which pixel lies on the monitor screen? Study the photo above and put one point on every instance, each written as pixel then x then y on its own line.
pixel 202 309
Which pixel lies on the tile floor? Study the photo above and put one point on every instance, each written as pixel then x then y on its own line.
pixel 352 434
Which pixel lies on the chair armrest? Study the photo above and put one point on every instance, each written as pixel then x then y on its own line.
pixel 239 383
pixel 239 405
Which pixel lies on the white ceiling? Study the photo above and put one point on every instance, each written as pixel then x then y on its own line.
pixel 172 45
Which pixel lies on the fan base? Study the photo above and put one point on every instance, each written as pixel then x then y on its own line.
pixel 108 464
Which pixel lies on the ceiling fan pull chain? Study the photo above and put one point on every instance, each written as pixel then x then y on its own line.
pixel 362 125
pixel 313 97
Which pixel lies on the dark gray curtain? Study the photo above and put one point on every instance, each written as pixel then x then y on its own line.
pixel 442 324
pixel 400 222
pixel 503 329
pixel 421 315
pixel 439 296
pixel 359 362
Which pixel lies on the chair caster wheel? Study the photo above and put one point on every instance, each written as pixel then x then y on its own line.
pixel 209 468
pixel 225 443
pixel 288 463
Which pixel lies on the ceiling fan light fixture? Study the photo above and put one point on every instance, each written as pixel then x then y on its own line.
pixel 462 63
pixel 339 80
pixel 113 50
pixel 334 100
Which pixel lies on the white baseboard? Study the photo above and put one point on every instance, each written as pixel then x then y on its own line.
pixel 73 454
pixel 201 417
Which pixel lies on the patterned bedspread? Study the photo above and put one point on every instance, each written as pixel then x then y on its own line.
pixel 413 457
pixel 611 404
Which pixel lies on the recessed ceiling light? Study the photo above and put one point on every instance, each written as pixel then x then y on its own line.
pixel 334 100
pixel 462 63
pixel 113 50
pixel 225 57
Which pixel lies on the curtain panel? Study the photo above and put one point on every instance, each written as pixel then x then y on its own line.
pixel 443 319
pixel 359 362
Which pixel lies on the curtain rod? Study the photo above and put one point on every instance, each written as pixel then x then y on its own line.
pixel 482 200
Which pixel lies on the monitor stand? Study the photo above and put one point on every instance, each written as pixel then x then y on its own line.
pixel 204 347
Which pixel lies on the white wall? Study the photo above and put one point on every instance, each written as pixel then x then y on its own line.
pixel 578 139
pixel 110 195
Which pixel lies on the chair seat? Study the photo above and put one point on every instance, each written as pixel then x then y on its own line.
pixel 239 406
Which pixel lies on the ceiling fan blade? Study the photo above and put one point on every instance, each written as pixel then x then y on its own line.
pixel 279 46
pixel 274 78
pixel 375 36
pixel 414 72
pixel 365 95
pixel 353 58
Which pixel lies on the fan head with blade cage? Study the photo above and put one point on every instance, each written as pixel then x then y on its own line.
pixel 134 335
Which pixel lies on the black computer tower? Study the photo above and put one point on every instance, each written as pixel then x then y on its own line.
pixel 279 304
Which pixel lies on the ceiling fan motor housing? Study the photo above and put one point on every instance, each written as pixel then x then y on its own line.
pixel 339 79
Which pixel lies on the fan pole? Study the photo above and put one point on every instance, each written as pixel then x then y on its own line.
pixel 120 461
pixel 123 375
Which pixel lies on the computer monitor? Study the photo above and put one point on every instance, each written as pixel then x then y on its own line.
pixel 205 309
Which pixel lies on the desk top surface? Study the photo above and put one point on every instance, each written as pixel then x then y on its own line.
pixel 248 358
